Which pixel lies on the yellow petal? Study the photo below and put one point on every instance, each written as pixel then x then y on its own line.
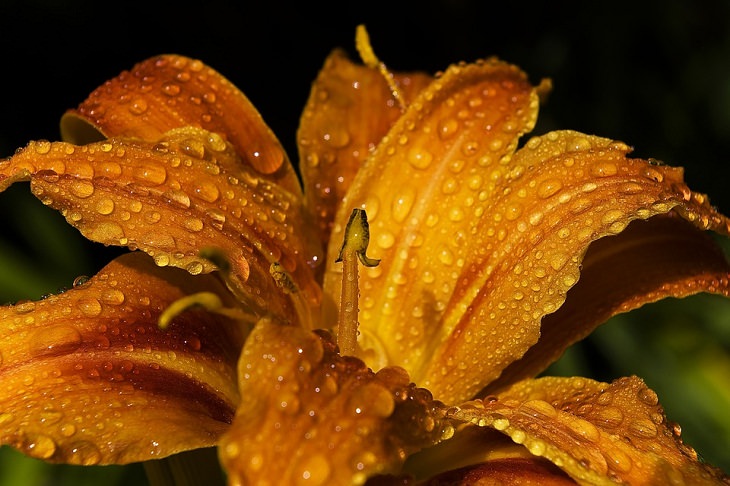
pixel 350 108
pixel 171 91
pixel 174 197
pixel 426 190
pixel 86 376
pixel 596 432
pixel 310 416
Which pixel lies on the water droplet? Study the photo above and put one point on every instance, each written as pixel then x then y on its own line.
pixel 313 470
pixel 288 403
pixel 372 399
pixel 90 307
pixel 549 187
pixel 112 297
pixel 336 136
pixel 105 206
pixel 604 169
pixel 447 128
pixel 653 174
pixel 643 428
pixel 178 197
pixel 419 157
pixel 111 170
pixel 500 423
pixel 193 224
pixel 41 447
pixel 446 257
pixel 24 307
pixel 385 239
pixel 152 217
pixel 54 340
pixel 579 144
pixel 558 260
pixel 194 268
pixel 82 189
pixel 536 447
pixel 171 89
pixel 151 175
pixel 67 430
pixel 207 191
pixel 42 147
pixel 138 106
pixel 402 204
pixel 107 232
pixel 447 432
pixel 84 453
pixel 609 417
pixel 612 216
pixel 648 396
pixel 162 260
pixel 617 459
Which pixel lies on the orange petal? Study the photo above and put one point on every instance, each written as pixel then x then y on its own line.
pixel 171 91
pixel 480 267
pixel 664 256
pixel 596 432
pixel 310 416
pixel 425 190
pixel 174 197
pixel 350 108
pixel 88 378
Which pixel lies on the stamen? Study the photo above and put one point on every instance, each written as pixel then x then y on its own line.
pixel 205 300
pixel 365 49
pixel 357 238
pixel 286 284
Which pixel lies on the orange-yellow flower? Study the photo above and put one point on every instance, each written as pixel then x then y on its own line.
pixel 493 260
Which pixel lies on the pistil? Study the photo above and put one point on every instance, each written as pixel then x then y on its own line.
pixel 354 247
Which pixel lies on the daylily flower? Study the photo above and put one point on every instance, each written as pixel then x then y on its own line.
pixel 493 259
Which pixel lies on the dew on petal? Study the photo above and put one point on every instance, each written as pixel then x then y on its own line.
pixel 402 204
pixel 53 340
pixel 89 306
pixel 84 453
pixel 419 157
pixel 82 189
pixel 41 447
pixel 152 175
pixel 105 206
pixel 313 470
pixel 548 188
pixel 112 297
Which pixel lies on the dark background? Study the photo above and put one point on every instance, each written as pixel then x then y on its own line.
pixel 654 74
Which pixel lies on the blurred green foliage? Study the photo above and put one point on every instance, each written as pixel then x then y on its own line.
pixel 654 74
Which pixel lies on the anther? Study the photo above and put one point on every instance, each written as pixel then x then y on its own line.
pixel 205 300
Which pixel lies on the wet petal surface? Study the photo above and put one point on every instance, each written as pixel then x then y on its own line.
pixel 309 416
pixel 86 376
pixel 350 109
pixel 170 91
pixel 598 433
pixel 479 244
pixel 173 198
